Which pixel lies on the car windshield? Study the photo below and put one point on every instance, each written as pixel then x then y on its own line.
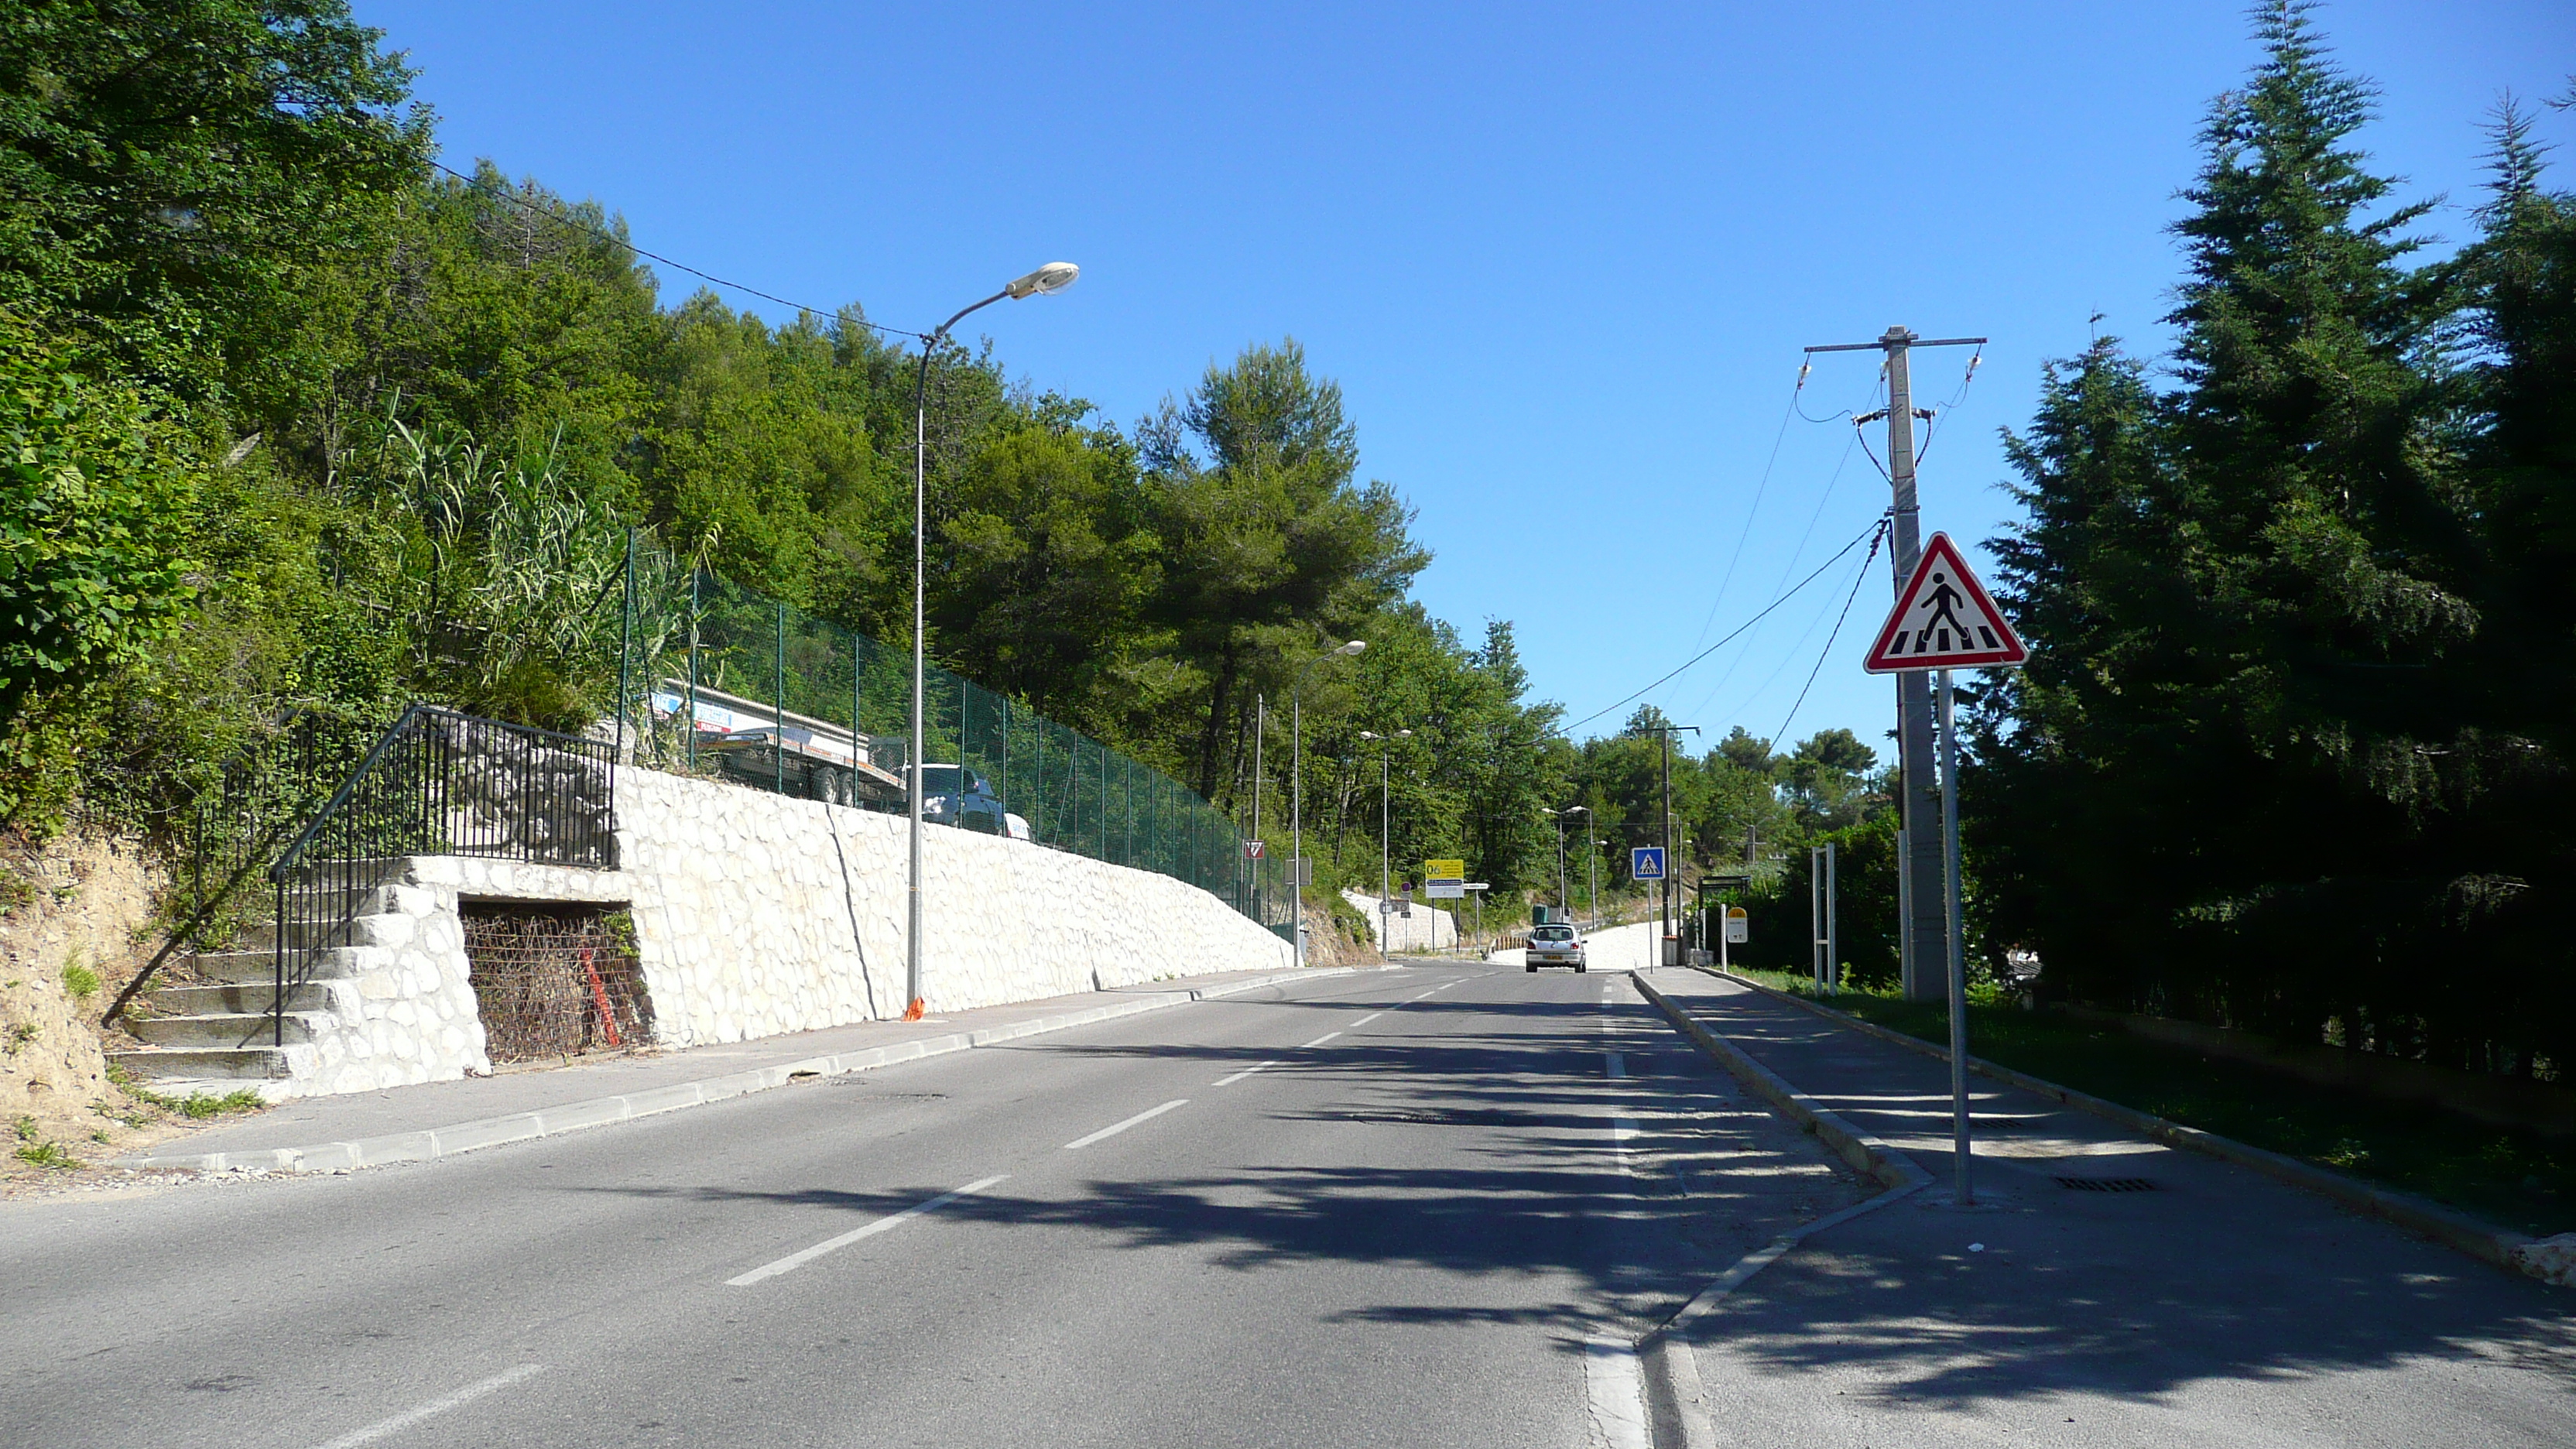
pixel 942 779
pixel 1553 933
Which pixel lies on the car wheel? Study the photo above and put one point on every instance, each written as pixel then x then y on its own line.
pixel 1578 970
pixel 1531 970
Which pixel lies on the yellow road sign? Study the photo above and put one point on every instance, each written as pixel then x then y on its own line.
pixel 1444 870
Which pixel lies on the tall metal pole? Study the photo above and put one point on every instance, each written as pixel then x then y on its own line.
pixel 913 1006
pixel 1958 972
pixel 1664 887
pixel 912 1010
pixel 626 651
pixel 1260 727
pixel 1297 810
pixel 1385 847
pixel 1560 865
pixel 1833 935
pixel 1918 841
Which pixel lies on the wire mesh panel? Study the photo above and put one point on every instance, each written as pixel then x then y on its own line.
pixel 554 981
pixel 774 698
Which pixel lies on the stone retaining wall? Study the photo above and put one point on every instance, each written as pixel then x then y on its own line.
pixel 756 914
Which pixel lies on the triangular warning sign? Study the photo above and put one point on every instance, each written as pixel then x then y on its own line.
pixel 1944 620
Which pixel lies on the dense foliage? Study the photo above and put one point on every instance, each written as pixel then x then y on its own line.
pixel 2293 750
pixel 296 419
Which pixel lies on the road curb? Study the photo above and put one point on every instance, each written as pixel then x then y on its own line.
pixel 1866 1155
pixel 425 1144
pixel 2474 1236
pixel 1676 1401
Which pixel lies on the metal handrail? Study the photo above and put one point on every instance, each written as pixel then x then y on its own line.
pixel 300 736
pixel 401 801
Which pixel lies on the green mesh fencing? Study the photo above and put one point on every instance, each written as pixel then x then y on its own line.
pixel 750 690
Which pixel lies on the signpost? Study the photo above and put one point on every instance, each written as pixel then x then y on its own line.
pixel 1444 880
pixel 1944 620
pixel 1477 888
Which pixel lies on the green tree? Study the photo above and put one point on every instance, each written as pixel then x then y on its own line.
pixel 1266 538
pixel 179 180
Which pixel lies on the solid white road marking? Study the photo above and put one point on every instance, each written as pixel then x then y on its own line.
pixel 1239 1076
pixel 1114 1128
pixel 1365 1020
pixel 1319 1041
pixel 797 1260
pixel 418 1412
pixel 1616 1392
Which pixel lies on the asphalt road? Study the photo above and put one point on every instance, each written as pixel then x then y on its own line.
pixel 1397 1208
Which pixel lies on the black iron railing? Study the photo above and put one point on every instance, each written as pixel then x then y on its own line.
pixel 437 783
pixel 260 797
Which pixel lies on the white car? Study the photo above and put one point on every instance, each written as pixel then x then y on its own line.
pixel 1554 946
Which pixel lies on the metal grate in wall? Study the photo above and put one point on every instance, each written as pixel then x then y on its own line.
pixel 555 980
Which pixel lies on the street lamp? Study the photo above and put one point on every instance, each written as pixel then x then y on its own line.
pixel 1046 281
pixel 1297 783
pixel 1592 901
pixel 1385 842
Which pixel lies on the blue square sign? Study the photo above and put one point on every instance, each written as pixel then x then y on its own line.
pixel 1646 862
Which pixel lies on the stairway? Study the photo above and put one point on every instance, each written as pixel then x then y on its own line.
pixel 208 1028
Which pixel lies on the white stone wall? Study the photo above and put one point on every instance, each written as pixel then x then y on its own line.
pixel 1427 929
pixel 400 1009
pixel 756 915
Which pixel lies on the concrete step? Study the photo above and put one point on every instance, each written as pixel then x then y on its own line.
pixel 212 1064
pixel 254 997
pixel 224 1031
pixel 270 1089
pixel 243 965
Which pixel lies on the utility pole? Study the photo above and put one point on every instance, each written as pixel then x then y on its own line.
pixel 1923 939
pixel 1664 888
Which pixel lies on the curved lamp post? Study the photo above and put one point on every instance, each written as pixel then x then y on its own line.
pixel 1297 784
pixel 1385 837
pixel 1592 901
pixel 1045 281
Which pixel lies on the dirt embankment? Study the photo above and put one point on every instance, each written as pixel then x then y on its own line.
pixel 73 919
pixel 1336 939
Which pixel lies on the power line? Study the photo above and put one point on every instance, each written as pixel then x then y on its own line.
pixel 605 234
pixel 1731 634
pixel 1827 652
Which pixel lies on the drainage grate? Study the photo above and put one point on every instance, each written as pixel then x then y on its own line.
pixel 554 981
pixel 2106 1184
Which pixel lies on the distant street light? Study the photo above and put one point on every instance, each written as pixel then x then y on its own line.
pixel 1297 784
pixel 1385 880
pixel 1052 278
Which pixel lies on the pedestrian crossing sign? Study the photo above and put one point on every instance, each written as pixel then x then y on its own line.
pixel 1944 620
pixel 1646 862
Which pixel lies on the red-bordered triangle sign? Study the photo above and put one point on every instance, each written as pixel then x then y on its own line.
pixel 1944 620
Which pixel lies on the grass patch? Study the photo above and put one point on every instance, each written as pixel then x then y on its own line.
pixel 47 1154
pixel 199 1106
pixel 80 981
pixel 2518 1179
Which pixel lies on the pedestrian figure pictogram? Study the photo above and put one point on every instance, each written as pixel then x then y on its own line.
pixel 1943 619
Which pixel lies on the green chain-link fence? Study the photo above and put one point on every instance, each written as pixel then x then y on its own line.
pixel 729 682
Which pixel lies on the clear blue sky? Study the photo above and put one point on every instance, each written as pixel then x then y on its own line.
pixel 1562 258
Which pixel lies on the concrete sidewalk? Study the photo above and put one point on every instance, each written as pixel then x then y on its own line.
pixel 436 1119
pixel 2105 1289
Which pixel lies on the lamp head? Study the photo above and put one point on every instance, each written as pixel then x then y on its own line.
pixel 1368 734
pixel 1404 734
pixel 1353 647
pixel 1046 281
